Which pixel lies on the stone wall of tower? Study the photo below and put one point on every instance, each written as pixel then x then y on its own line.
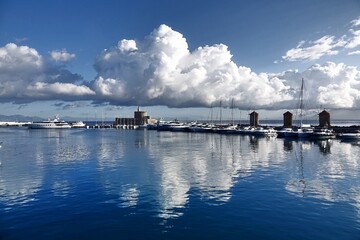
pixel 288 119
pixel 254 119
pixel 324 119
pixel 140 117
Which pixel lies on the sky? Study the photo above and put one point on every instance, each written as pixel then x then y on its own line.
pixel 177 59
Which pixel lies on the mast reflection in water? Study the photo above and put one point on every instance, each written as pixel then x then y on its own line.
pixel 124 184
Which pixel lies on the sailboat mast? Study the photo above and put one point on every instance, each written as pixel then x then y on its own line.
pixel 220 112
pixel 301 101
pixel 211 115
pixel 240 117
pixel 232 112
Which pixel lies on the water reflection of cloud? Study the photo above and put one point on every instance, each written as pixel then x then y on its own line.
pixel 210 163
pixel 66 153
pixel 311 188
pixel 350 153
pixel 112 146
pixel 220 169
pixel 331 177
pixel 129 195
pixel 20 193
pixel 61 188
pixel 123 166
pixel 355 197
pixel 109 154
pixel 19 182
pixel 173 192
pixel 22 178
pixel 59 146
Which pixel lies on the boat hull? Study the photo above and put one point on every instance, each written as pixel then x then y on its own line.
pixel 350 137
pixel 79 124
pixel 50 126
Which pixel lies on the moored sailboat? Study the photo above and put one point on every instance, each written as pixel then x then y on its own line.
pixel 303 131
pixel 322 133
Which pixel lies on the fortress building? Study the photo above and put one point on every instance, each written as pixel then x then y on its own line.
pixel 140 118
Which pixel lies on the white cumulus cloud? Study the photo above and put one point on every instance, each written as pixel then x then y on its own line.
pixel 357 52
pixel 61 56
pixel 325 46
pixel 329 85
pixel 160 70
pixel 25 76
pixel 355 22
pixel 127 45
pixel 42 89
pixel 355 40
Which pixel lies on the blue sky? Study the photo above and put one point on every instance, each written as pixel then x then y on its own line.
pixel 176 58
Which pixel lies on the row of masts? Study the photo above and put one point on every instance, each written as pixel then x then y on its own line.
pixel 253 120
pixel 232 112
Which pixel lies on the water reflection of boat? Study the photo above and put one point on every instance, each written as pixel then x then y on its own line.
pixel 324 145
pixel 55 123
pixel 350 136
pixel 297 184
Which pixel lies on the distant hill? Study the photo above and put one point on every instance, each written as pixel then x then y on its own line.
pixel 22 118
pixel 18 117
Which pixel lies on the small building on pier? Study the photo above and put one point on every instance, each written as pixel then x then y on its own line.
pixel 288 116
pixel 324 119
pixel 254 119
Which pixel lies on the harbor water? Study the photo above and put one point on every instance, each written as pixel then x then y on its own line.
pixel 140 184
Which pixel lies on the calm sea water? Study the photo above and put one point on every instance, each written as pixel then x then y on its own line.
pixel 128 184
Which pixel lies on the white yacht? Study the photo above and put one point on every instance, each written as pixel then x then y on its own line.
pixel 286 131
pixel 78 124
pixel 304 132
pixel 267 132
pixel 322 133
pixel 174 126
pixel 55 123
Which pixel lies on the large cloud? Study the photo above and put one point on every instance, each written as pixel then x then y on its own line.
pixel 329 85
pixel 25 76
pixel 160 70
